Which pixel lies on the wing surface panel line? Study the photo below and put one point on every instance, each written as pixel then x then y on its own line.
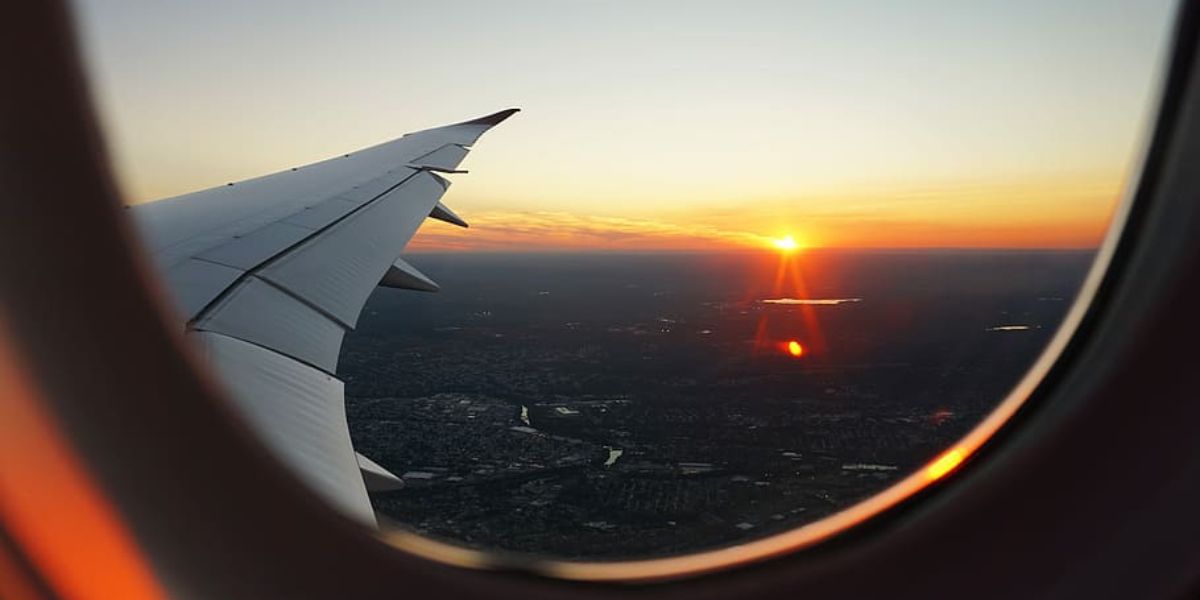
pixel 306 302
pixel 233 336
pixel 316 232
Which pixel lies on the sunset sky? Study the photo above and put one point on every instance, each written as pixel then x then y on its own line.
pixel 659 125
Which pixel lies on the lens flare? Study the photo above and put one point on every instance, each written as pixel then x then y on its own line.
pixel 795 349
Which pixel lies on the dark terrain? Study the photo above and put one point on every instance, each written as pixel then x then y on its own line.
pixel 606 406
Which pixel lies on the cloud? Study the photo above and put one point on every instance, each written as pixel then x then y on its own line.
pixel 1022 214
pixel 543 230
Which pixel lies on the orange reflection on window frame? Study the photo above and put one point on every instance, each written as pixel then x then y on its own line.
pixel 57 514
pixel 944 464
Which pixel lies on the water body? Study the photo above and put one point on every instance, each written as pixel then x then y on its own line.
pixel 869 467
pixel 811 301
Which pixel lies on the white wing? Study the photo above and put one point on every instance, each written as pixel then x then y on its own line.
pixel 268 274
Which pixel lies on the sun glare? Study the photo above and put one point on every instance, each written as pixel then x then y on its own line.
pixel 786 244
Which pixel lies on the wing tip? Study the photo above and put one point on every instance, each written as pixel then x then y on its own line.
pixel 494 118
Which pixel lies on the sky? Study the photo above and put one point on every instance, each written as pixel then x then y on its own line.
pixel 656 125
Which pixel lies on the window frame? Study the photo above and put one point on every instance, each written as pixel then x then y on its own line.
pixel 188 482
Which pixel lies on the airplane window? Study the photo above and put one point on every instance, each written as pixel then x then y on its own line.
pixel 737 273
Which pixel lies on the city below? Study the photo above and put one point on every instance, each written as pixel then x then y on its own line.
pixel 627 406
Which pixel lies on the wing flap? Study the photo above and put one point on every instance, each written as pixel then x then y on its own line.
pixel 258 312
pixel 337 270
pixel 300 413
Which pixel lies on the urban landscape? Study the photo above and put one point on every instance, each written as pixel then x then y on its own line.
pixel 607 407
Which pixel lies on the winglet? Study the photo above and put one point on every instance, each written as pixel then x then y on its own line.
pixel 443 213
pixel 492 119
pixel 404 276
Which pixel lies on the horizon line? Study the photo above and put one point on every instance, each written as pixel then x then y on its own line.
pixel 753 250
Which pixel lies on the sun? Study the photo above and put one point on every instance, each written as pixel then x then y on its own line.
pixel 786 244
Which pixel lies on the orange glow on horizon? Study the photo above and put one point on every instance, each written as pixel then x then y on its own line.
pixel 1028 215
pixel 795 349
pixel 944 464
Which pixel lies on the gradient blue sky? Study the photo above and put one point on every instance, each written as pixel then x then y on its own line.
pixel 689 121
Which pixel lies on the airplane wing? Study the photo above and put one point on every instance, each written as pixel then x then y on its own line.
pixel 268 275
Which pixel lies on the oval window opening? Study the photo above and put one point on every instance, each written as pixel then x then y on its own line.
pixel 736 279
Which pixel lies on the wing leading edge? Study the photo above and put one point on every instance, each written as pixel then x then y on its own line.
pixel 268 274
